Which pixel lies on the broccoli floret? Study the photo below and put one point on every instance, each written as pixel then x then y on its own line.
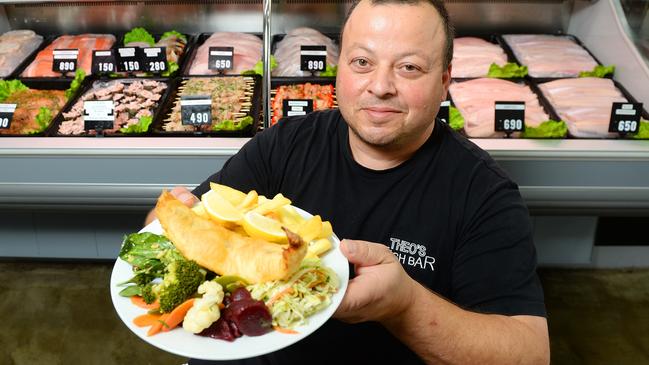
pixel 148 295
pixel 179 283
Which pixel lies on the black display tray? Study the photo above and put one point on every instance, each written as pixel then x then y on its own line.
pixel 510 52
pixel 182 60
pixel 53 131
pixel 46 43
pixel 335 37
pixel 198 42
pixel 165 111
pixel 275 82
pixel 536 82
pixel 48 84
pixel 545 104
pixel 27 60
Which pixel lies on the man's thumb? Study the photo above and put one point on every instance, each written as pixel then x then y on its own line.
pixel 364 253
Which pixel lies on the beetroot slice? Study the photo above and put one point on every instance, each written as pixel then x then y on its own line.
pixel 251 317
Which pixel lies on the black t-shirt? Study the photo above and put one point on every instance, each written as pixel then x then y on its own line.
pixel 450 215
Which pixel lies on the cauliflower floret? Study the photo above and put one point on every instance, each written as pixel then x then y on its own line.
pixel 205 310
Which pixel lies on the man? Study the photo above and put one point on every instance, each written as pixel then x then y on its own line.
pixel 450 277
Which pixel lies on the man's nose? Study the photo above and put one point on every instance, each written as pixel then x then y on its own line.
pixel 382 82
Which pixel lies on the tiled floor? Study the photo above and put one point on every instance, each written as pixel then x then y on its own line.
pixel 61 313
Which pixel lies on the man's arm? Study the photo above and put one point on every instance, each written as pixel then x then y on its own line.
pixel 181 193
pixel 436 329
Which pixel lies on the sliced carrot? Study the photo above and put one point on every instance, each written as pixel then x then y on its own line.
pixel 137 300
pixel 272 300
pixel 287 331
pixel 146 320
pixel 157 326
pixel 177 315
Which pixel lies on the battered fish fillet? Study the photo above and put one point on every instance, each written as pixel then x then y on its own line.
pixel 226 252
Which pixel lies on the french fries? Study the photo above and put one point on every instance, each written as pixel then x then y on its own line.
pixel 241 212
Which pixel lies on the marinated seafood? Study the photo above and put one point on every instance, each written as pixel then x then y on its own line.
pixel 322 96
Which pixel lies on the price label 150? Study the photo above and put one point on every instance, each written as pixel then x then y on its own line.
pixel 6 115
pixel 221 58
pixel 64 60
pixel 510 116
pixel 196 110
pixel 103 61
pixel 129 59
pixel 625 118
pixel 155 59
pixel 313 58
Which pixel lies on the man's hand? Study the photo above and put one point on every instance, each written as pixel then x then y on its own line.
pixel 381 289
pixel 181 193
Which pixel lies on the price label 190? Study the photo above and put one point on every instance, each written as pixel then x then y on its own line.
pixel 64 60
pixel 6 115
pixel 443 113
pixel 510 116
pixel 291 107
pixel 98 114
pixel 625 118
pixel 155 59
pixel 103 61
pixel 313 58
pixel 221 58
pixel 196 110
pixel 129 59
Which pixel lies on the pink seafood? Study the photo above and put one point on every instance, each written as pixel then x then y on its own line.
pixel 475 99
pixel 247 52
pixel 287 52
pixel 473 56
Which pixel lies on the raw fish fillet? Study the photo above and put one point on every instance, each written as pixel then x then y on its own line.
pixel 475 99
pixel 473 56
pixel 224 251
pixel 15 46
pixel 550 55
pixel 287 51
pixel 247 52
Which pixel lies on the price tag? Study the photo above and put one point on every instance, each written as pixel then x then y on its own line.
pixel 510 116
pixel 6 114
pixel 155 59
pixel 196 110
pixel 313 58
pixel 65 60
pixel 444 111
pixel 98 114
pixel 129 59
pixel 625 118
pixel 221 58
pixel 103 62
pixel 291 107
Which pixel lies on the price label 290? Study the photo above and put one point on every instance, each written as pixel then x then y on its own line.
pixel 155 59
pixel 313 58
pixel 129 59
pixel 625 118
pixel 64 60
pixel 510 116
pixel 6 115
pixel 196 110
pixel 103 61
pixel 221 58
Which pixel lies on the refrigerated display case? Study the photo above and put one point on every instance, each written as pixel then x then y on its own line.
pixel 75 198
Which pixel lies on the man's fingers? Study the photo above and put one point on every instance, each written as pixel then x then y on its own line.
pixel 185 196
pixel 363 253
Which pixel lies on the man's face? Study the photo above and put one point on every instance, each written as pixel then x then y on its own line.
pixel 390 78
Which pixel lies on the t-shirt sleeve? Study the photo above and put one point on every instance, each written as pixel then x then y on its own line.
pixel 249 169
pixel 494 267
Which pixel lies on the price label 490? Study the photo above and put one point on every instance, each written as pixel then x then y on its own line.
pixel 6 115
pixel 221 58
pixel 196 110
pixel 510 116
pixel 64 60
pixel 313 58
pixel 625 118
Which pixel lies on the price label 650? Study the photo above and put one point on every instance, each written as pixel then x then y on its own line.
pixel 625 118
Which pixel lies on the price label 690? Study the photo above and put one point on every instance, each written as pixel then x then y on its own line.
pixel 510 116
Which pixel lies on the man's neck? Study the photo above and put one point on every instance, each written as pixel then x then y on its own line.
pixel 383 158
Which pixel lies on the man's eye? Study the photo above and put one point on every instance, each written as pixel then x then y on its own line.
pixel 410 68
pixel 361 62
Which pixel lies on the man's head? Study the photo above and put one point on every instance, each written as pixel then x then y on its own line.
pixel 394 71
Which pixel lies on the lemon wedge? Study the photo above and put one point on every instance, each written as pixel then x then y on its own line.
pixel 220 209
pixel 259 226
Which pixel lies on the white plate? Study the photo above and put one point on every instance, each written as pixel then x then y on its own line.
pixel 183 343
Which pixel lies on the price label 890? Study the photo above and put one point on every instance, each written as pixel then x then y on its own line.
pixel 313 58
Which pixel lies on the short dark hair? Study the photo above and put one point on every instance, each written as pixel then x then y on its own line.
pixel 437 4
